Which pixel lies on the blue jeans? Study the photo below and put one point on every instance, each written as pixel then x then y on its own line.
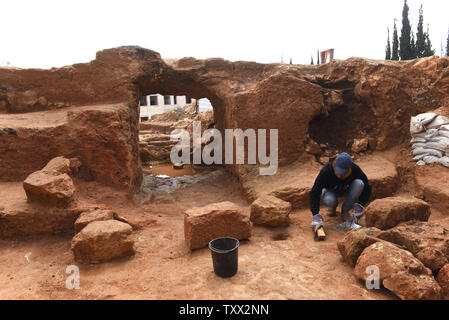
pixel 330 198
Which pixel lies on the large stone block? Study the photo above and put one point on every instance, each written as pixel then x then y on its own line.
pixel 270 211
pixel 48 189
pixel 443 280
pixel 102 241
pixel 428 241
pixel 96 214
pixel 355 242
pixel 399 271
pixel 388 212
pixel 223 219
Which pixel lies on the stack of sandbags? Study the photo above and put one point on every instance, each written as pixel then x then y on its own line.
pixel 430 137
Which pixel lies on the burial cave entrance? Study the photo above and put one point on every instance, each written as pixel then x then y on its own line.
pixel 337 129
pixel 159 116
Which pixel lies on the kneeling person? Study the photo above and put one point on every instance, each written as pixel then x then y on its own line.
pixel 340 178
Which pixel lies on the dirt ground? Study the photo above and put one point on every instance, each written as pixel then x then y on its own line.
pixel 275 263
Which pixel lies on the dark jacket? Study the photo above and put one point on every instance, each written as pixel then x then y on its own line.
pixel 327 179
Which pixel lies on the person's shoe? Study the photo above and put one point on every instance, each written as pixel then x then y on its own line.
pixel 331 212
pixel 351 225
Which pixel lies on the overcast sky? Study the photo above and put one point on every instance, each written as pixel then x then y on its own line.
pixel 45 34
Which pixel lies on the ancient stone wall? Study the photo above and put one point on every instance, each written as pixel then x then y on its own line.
pixel 244 95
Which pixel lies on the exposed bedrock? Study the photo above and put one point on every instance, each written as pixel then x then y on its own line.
pixel 380 97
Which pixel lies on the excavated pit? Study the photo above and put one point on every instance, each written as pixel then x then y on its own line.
pixel 344 123
pixel 285 264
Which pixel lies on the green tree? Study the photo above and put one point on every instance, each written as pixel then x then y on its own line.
pixel 414 53
pixel 447 44
pixel 311 61
pixel 318 56
pixel 420 36
pixel 395 52
pixel 405 39
pixel 388 48
pixel 428 51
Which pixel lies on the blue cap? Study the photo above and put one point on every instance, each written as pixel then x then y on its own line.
pixel 342 163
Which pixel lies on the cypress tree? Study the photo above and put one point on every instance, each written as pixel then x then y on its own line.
pixel 395 52
pixel 311 62
pixel 420 36
pixel 447 44
pixel 318 56
pixel 428 51
pixel 413 51
pixel 388 48
pixel 404 41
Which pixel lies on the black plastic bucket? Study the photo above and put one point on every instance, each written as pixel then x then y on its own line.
pixel 225 253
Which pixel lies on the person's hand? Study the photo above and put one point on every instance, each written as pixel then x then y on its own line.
pixel 317 222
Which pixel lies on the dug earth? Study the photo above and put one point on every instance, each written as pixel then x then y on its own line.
pixel 81 184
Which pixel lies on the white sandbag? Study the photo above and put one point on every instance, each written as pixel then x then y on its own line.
pixel 437 122
pixel 441 140
pixel 444 127
pixel 418 139
pixel 419 123
pixel 420 156
pixel 444 161
pixel 431 152
pixel 441 146
pixel 430 133
pixel 443 133
pixel 419 145
pixel 430 159
pixel 421 163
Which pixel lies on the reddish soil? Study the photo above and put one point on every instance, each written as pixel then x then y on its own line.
pixel 278 263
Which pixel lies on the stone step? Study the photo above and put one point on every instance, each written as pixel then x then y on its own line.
pixel 162 127
pixel 293 183
pixel 153 136
pixel 162 143
pixel 433 182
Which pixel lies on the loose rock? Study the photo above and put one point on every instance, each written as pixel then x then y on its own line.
pixel 102 241
pixel 92 215
pixel 428 241
pixel 389 212
pixel 443 280
pixel 223 219
pixel 399 271
pixel 270 211
pixel 355 242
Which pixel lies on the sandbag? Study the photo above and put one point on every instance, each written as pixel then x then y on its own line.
pixel 420 156
pixel 419 145
pixel 441 140
pixel 419 139
pixel 431 152
pixel 444 127
pixel 443 133
pixel 441 146
pixel 430 159
pixel 419 123
pixel 437 122
pixel 444 161
pixel 431 133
